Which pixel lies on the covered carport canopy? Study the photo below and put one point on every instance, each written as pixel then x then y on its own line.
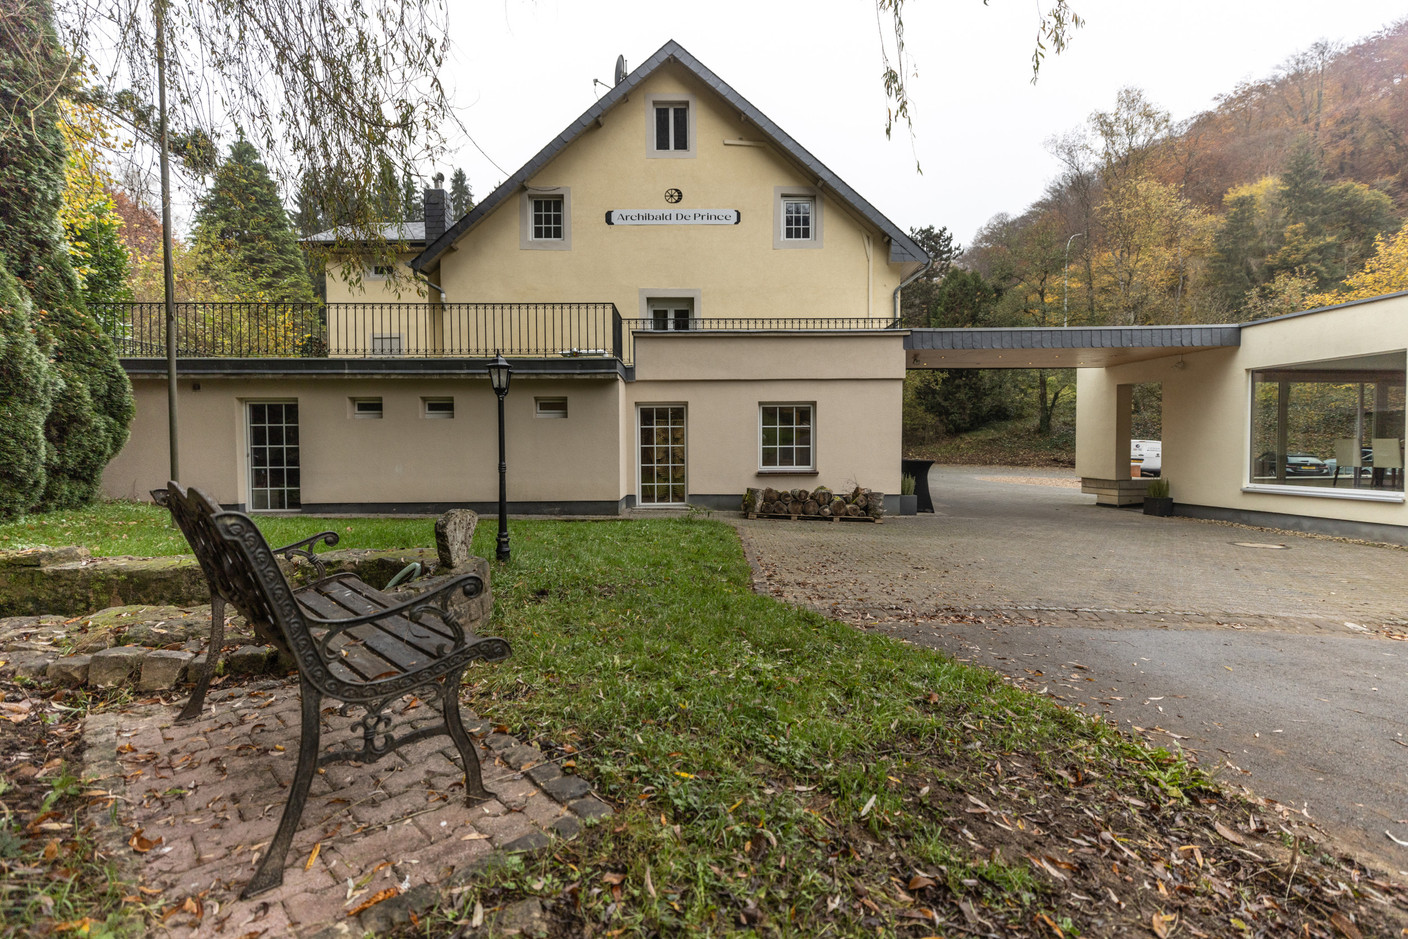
pixel 1060 346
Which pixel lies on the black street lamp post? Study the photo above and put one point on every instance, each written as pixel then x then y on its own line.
pixel 499 374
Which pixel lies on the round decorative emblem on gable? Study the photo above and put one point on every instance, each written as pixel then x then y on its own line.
pixel 673 195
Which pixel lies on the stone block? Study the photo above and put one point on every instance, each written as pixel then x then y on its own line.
pixel 454 538
pixel 70 671
pixel 109 668
pixel 544 773
pixel 567 826
pixel 20 664
pixel 529 842
pixel 162 669
pixel 250 660
pixel 591 807
pixel 567 789
pixel 522 756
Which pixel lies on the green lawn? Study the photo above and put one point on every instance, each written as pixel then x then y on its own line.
pixel 141 529
pixel 780 773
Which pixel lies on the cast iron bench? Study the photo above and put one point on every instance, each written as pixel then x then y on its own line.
pixel 349 641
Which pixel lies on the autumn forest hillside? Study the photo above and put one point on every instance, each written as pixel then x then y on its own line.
pixel 1290 193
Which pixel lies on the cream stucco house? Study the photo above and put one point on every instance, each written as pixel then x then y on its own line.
pixel 692 303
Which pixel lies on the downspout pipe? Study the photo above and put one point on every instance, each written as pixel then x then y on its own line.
pixel 905 283
pixel 428 283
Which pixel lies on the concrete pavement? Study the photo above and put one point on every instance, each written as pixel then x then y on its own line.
pixel 1274 658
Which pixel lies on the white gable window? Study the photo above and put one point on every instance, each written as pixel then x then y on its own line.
pixel 670 126
pixel 796 217
pixel 546 219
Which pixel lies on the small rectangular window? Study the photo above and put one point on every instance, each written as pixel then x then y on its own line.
pixel 797 219
pixel 366 408
pixel 785 435
pixel 386 344
pixel 379 272
pixel 550 407
pixel 437 408
pixel 672 126
pixel 547 218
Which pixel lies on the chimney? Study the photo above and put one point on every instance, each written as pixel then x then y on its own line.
pixel 434 214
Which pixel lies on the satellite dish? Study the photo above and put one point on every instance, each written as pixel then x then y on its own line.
pixel 620 69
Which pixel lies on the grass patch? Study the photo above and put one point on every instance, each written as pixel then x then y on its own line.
pixel 1010 443
pixel 140 529
pixel 776 771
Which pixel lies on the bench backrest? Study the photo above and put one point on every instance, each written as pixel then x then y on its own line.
pixel 242 569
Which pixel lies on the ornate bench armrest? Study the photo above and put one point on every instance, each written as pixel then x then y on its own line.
pixel 304 549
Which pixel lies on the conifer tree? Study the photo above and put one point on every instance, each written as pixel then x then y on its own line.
pixel 245 234
pixel 85 422
pixel 461 196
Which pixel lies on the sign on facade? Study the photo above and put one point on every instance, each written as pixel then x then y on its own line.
pixel 672 217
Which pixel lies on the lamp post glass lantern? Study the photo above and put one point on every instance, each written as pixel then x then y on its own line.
pixel 500 372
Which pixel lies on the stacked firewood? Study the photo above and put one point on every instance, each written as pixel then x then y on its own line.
pixel 820 502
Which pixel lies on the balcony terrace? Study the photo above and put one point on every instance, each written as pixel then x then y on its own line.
pixel 405 331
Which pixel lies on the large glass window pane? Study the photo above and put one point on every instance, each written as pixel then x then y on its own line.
pixel 1316 424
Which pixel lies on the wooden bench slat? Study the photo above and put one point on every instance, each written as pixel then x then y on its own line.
pixel 403 641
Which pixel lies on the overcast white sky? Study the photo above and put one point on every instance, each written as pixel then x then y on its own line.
pixel 523 69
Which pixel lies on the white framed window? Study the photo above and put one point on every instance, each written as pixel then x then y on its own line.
pixel 386 344
pixel 550 407
pixel 797 214
pixel 274 471
pixel 670 126
pixel 378 272
pixel 785 438
pixel 437 408
pixel 670 313
pixel 546 219
pixel 797 217
pixel 366 409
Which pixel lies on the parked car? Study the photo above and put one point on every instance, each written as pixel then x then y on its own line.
pixel 1148 455
pixel 1297 464
pixel 1366 461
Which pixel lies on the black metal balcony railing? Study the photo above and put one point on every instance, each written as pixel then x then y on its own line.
pixel 414 330
pixel 365 330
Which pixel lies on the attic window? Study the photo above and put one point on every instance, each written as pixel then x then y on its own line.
pixel 670 126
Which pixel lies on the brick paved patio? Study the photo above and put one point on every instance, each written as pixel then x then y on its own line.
pixel 211 793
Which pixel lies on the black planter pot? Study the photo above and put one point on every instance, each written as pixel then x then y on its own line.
pixel 1163 508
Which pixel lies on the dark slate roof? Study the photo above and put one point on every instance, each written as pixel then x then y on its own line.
pixel 411 233
pixel 1095 337
pixel 902 247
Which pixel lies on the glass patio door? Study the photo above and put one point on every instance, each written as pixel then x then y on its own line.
pixel 661 440
pixel 274 474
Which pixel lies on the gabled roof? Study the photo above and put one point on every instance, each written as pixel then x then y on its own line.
pixel 902 247
pixel 410 233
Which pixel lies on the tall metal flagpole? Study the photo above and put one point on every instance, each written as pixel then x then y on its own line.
pixel 168 272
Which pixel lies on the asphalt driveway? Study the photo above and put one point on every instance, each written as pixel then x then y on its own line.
pixel 1275 659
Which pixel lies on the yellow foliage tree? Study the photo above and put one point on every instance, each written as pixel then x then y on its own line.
pixel 1385 272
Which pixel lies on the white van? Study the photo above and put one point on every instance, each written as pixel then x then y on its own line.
pixel 1146 456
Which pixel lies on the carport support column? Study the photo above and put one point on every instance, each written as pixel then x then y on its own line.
pixel 1104 413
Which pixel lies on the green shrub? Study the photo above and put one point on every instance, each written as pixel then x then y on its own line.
pixel 1157 488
